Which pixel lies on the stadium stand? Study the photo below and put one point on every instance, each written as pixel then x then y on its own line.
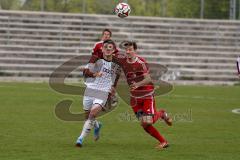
pixel 34 44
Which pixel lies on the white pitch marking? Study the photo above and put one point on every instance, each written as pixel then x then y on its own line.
pixel 236 111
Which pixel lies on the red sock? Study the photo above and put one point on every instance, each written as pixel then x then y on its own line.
pixel 158 115
pixel 153 132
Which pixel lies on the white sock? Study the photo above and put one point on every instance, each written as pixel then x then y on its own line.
pixel 88 125
pixel 96 124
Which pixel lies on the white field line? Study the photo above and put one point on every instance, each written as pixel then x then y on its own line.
pixel 236 111
pixel 203 97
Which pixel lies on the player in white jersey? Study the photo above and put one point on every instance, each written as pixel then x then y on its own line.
pixel 238 66
pixel 98 88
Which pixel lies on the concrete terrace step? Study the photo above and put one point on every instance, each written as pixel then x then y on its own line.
pixel 57 60
pixel 33 73
pixel 89 40
pixel 41 42
pixel 156 39
pixel 18 68
pixel 160 58
pixel 30 36
pixel 85 42
pixel 195 65
pixel 24 70
pixel 210 54
pixel 42 48
pixel 51 67
pixel 223 72
pixel 37 54
pixel 194 52
pixel 47 65
pixel 162 48
pixel 189 59
pixel 39 61
pixel 209 77
pixel 202 82
pixel 148 47
pixel 60 32
pixel 193 48
pixel 31 19
pixel 81 50
pixel 153 42
pixel 173 65
pixel 154 26
pixel 136 35
pixel 33 44
pixel 17 60
pixel 83 25
pixel 113 18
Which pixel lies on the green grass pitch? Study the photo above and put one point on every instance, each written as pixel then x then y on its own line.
pixel 204 126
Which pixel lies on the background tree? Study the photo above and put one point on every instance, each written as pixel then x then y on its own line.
pixel 183 8
pixel 217 9
pixel 32 5
pixel 10 4
pixel 213 9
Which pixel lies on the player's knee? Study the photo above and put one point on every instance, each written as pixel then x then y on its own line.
pixel 94 111
pixel 146 120
pixel 144 125
pixel 92 114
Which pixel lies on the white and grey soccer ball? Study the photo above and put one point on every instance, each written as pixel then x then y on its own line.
pixel 122 10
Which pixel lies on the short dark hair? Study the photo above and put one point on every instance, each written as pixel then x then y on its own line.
pixel 131 43
pixel 109 41
pixel 107 30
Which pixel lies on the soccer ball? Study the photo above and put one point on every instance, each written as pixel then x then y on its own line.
pixel 122 10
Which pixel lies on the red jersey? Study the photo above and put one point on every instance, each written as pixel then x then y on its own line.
pixel 97 50
pixel 134 72
pixel 96 55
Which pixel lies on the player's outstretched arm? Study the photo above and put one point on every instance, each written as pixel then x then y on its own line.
pixel 147 79
pixel 87 73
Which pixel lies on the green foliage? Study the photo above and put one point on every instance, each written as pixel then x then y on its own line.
pixel 100 6
pixel 183 8
pixel 10 4
pixel 217 9
pixel 213 9
pixel 145 8
pixel 32 5
pixel 138 7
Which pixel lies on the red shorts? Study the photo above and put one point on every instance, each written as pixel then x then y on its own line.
pixel 144 105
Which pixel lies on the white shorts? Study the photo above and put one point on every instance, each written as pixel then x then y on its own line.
pixel 89 100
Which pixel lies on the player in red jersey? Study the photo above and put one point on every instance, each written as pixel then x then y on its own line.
pixel 142 99
pixel 97 49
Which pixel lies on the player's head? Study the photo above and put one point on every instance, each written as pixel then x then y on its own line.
pixel 109 47
pixel 131 48
pixel 106 34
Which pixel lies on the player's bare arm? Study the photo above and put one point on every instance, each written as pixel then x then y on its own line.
pixel 88 73
pixel 147 79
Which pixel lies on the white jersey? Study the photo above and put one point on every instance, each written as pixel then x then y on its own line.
pixel 106 81
pixel 238 65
